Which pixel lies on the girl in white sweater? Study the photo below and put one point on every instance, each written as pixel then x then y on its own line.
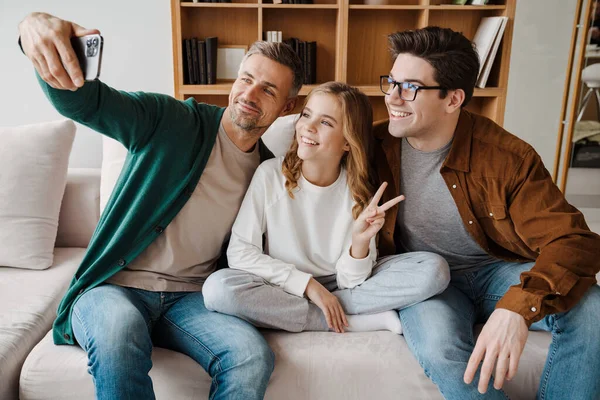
pixel 316 268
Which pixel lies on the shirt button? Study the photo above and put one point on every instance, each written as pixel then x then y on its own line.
pixel 121 262
pixel 558 293
pixel 453 186
pixel 159 229
pixel 533 309
pixel 470 222
pixel 66 336
pixel 491 214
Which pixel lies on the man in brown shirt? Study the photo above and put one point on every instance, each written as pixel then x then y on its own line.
pixel 521 257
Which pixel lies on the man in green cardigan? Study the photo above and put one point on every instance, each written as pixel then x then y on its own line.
pixel 162 231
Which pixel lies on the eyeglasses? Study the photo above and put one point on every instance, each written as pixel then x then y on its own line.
pixel 408 90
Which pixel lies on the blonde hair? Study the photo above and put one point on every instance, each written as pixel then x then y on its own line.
pixel 357 121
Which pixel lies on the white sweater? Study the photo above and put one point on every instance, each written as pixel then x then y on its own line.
pixel 309 235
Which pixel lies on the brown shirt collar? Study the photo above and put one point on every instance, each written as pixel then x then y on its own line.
pixel 459 157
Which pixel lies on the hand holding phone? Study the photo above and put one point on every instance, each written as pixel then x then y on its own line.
pixel 47 41
pixel 89 53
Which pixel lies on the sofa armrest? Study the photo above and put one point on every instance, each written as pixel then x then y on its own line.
pixel 80 208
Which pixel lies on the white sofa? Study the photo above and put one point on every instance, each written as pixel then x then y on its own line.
pixel 309 365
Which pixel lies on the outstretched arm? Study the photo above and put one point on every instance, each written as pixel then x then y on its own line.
pixel 46 40
pixel 130 118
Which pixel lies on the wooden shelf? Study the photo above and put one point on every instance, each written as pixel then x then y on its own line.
pixel 302 6
pixel 443 7
pixel 466 8
pixel 488 92
pixel 220 5
pixel 219 88
pixel 385 7
pixel 351 40
pixel 255 5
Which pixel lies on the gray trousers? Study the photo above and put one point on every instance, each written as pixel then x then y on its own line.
pixel 396 282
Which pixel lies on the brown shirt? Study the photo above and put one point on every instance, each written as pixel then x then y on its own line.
pixel 512 208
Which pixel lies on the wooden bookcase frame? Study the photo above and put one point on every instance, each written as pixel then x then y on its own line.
pixel 350 35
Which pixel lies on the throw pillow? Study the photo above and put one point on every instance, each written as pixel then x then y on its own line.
pixel 33 172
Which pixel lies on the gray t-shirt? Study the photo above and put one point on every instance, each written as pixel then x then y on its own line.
pixel 185 254
pixel 428 220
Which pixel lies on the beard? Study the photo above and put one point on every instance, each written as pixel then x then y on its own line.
pixel 244 121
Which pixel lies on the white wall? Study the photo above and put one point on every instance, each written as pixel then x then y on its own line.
pixel 538 63
pixel 138 56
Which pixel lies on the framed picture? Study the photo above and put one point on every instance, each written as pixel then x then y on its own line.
pixel 229 58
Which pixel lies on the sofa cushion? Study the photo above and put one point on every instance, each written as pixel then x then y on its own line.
pixel 29 300
pixel 113 158
pixel 280 134
pixel 33 172
pixel 80 209
pixel 277 138
pixel 309 365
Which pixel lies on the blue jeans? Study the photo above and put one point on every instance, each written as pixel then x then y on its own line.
pixel 118 326
pixel 439 332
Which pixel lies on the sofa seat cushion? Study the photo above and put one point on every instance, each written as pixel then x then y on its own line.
pixel 29 300
pixel 309 365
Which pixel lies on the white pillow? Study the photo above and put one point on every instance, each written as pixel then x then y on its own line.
pixel 278 139
pixel 33 172
pixel 113 158
pixel 280 134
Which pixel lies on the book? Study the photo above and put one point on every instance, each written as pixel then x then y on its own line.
pixel 311 62
pixel 485 36
pixel 188 70
pixel 211 59
pixel 196 70
pixel 489 62
pixel 305 66
pixel 202 79
pixel 302 53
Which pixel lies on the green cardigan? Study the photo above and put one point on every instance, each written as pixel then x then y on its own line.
pixel 168 142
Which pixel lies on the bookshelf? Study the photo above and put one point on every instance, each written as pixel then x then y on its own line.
pixel 351 40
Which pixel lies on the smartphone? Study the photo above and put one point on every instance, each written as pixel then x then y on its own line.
pixel 89 53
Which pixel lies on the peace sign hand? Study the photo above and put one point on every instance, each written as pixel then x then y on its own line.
pixel 370 221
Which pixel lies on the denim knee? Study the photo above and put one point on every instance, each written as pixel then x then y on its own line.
pixel 253 358
pixel 585 319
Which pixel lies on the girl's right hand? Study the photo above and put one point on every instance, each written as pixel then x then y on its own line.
pixel 329 304
pixel 370 221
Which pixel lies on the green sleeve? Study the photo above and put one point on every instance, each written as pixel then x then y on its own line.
pixel 131 118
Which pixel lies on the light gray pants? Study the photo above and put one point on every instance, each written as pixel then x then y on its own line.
pixel 397 282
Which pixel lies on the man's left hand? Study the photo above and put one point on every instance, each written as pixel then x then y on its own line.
pixel 501 342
